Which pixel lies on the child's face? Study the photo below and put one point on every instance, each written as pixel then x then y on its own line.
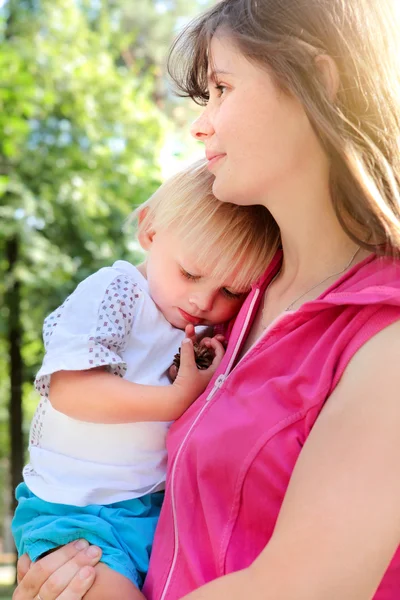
pixel 183 290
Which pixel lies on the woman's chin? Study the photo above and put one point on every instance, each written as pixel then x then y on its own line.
pixel 223 192
pixel 228 193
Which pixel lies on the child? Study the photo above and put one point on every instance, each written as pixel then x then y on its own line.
pixel 97 441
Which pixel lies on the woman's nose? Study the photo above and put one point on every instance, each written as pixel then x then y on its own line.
pixel 202 128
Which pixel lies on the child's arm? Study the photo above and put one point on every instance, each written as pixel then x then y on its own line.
pixel 98 396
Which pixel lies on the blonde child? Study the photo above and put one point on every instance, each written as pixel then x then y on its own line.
pixel 97 442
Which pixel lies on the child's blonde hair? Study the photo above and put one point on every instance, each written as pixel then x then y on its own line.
pixel 229 239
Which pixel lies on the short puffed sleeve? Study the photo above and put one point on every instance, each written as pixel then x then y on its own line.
pixel 91 328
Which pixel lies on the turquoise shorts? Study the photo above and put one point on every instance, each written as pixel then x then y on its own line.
pixel 124 530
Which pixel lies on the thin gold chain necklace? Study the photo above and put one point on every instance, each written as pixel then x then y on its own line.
pixel 289 307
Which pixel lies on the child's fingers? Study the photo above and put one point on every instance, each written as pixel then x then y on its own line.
pixel 190 332
pixel 219 353
pixel 172 373
pixel 188 362
pixel 206 341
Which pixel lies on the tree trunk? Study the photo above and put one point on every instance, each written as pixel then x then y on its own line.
pixel 14 337
pixel 14 329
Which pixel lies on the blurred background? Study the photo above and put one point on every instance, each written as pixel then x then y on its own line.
pixel 89 127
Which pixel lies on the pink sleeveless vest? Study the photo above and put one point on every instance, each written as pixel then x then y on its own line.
pixel 232 453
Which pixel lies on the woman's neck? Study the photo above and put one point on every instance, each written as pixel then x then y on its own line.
pixel 315 249
pixel 314 243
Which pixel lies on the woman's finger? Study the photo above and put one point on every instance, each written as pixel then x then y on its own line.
pixel 41 570
pixel 23 566
pixel 79 585
pixel 78 554
pixel 59 582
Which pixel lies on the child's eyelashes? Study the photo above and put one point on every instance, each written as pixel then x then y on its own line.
pixel 188 275
pixel 231 295
pixel 224 291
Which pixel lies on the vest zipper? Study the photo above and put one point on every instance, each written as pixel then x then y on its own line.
pixel 217 385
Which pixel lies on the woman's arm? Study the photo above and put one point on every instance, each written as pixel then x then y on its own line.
pixel 100 397
pixel 339 525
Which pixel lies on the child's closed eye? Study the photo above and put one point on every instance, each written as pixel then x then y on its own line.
pixel 190 276
pixel 232 295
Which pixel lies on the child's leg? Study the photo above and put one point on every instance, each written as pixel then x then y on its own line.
pixel 110 584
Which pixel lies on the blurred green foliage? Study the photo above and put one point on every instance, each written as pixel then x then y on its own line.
pixel 79 139
pixel 82 122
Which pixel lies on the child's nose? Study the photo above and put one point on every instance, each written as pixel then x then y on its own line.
pixel 203 300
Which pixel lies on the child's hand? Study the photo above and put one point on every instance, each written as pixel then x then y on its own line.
pixel 191 381
pixel 201 337
pixel 197 340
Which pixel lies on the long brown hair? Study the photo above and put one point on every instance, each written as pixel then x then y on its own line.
pixel 359 128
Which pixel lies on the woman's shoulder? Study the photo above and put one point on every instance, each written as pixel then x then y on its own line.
pixel 374 279
pixel 377 360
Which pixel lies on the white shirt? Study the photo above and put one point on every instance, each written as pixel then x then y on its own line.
pixel 109 320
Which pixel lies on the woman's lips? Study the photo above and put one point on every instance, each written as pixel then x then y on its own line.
pixel 190 318
pixel 213 159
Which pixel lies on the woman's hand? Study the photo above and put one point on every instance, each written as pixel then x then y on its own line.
pixel 65 574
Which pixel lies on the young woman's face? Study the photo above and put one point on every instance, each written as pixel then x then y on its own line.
pixel 257 137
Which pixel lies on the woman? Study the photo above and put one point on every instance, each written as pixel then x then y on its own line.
pixel 283 477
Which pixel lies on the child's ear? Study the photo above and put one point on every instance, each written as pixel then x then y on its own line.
pixel 145 233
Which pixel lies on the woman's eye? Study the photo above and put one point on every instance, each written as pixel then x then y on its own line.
pixel 220 89
pixel 231 295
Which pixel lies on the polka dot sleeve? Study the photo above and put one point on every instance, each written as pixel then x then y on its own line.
pixel 90 329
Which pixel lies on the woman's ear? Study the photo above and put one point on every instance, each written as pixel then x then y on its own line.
pixel 146 231
pixel 330 74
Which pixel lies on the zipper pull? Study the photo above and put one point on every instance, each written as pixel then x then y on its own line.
pixel 217 384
